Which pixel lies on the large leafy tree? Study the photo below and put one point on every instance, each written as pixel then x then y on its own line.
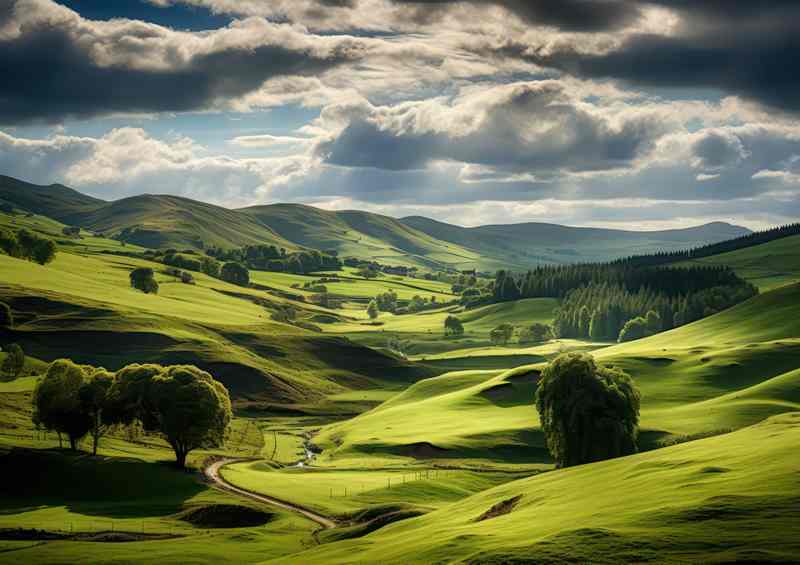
pixel 587 412
pixel 94 399
pixel 183 403
pixel 56 401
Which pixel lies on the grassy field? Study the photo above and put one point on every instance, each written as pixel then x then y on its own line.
pixel 767 266
pixel 721 373
pixel 726 499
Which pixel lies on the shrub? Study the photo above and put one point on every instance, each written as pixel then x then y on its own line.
pixel 144 279
pixel 372 310
pixel 536 333
pixel 453 326
pixel 14 362
pixel 588 413
pixel 501 335
pixel 235 273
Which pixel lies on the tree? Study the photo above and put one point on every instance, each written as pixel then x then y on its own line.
pixel 44 251
pixel 653 322
pixel 635 328
pixel 536 333
pixel 6 317
pixel 56 401
pixel 14 361
pixel 372 310
pixel 235 273
pixel 71 231
pixel 587 413
pixel 501 335
pixel 453 326
pixel 94 399
pixel 9 244
pixel 186 405
pixel 584 318
pixel 143 278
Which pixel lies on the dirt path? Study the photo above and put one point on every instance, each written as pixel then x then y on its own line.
pixel 213 474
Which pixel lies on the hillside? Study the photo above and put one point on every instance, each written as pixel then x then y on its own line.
pixel 161 221
pixel 360 234
pixel 529 243
pixel 768 265
pixel 55 201
pixel 172 221
pixel 727 371
pixel 726 499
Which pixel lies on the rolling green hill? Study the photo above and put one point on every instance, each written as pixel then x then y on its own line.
pixel 767 266
pixel 361 234
pixel 169 221
pixel 724 372
pixel 527 244
pixel 725 499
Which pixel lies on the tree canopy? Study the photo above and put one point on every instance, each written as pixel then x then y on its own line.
pixel 235 273
pixel 14 362
pixel 143 278
pixel 372 309
pixel 453 326
pixel 56 401
pixel 587 412
pixel 186 405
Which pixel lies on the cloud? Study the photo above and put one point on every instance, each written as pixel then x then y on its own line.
pixel 57 65
pixel 535 127
pixel 740 47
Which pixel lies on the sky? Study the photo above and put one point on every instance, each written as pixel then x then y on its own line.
pixel 638 114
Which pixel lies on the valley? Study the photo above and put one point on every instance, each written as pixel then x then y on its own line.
pixel 416 444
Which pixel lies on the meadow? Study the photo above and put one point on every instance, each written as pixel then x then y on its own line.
pixel 429 454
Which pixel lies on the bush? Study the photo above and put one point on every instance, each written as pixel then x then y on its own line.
pixel 14 362
pixel 453 327
pixel 501 335
pixel 635 328
pixel 588 413
pixel 372 310
pixel 536 333
pixel 235 273
pixel 144 279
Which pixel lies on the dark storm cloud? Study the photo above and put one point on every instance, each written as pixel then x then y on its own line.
pixel 748 49
pixel 50 72
pixel 568 15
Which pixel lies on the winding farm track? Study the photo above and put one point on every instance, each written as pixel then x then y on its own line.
pixel 212 472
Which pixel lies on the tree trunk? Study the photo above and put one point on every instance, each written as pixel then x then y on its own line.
pixel 180 458
pixel 73 444
pixel 60 441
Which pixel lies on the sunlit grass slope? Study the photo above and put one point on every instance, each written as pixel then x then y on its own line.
pixel 767 266
pixel 82 307
pixel 731 498
pixel 724 372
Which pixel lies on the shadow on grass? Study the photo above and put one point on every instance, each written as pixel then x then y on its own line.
pixel 94 486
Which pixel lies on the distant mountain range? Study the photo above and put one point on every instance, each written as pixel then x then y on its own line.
pixel 160 221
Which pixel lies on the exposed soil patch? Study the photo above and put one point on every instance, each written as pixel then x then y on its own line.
pixel 225 516
pixel 26 534
pixel 500 509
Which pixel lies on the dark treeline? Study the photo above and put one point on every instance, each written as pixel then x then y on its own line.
pixel 271 258
pixel 755 238
pixel 597 300
pixel 555 281
pixel 600 311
